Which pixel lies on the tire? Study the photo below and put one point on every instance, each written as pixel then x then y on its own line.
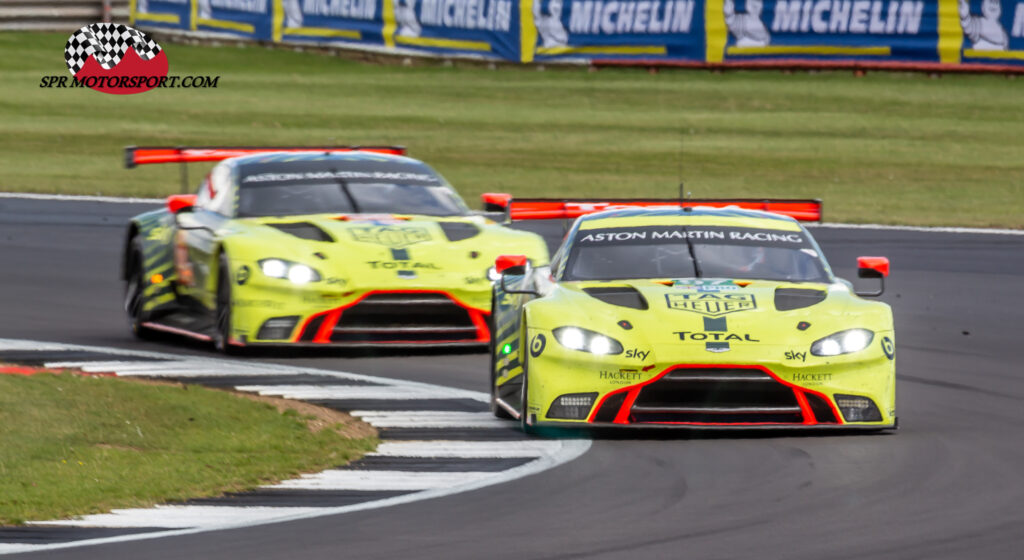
pixel 133 292
pixel 496 409
pixel 524 412
pixel 222 312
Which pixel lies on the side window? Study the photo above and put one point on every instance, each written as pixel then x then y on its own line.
pixel 216 194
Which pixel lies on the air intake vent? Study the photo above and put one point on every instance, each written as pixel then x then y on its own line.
pixel 457 231
pixel 304 230
pixel 623 296
pixel 787 299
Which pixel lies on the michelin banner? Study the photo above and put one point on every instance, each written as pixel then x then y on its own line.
pixel 614 29
pixel 927 33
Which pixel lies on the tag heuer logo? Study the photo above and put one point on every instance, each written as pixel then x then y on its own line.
pixel 711 304
pixel 391 236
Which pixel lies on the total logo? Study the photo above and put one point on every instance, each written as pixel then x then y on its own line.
pixel 715 336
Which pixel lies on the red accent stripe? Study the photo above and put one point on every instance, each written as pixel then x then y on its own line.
pixel 176 330
pixel 622 416
pixel 332 316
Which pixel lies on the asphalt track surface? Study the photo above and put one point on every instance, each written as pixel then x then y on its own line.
pixel 948 484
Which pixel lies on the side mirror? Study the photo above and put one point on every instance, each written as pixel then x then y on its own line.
pixel 181 203
pixel 515 265
pixel 495 202
pixel 873 267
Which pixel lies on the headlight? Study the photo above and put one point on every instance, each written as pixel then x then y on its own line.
pixel 297 273
pixel 575 338
pixel 492 274
pixel 842 342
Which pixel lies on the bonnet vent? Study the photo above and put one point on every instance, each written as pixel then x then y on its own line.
pixel 623 296
pixel 304 230
pixel 457 231
pixel 787 299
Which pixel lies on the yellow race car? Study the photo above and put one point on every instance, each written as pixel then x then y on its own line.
pixel 348 246
pixel 690 317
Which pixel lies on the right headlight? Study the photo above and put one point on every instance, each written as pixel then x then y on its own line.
pixel 842 342
pixel 576 338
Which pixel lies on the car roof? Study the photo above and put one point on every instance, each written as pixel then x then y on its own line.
pixel 731 216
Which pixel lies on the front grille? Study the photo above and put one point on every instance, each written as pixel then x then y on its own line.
pixel 716 396
pixel 414 317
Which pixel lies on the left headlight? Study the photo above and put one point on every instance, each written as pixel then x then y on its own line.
pixel 842 342
pixel 575 338
pixel 295 272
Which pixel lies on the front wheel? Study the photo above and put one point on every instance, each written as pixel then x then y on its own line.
pixel 134 292
pixel 496 409
pixel 524 406
pixel 222 312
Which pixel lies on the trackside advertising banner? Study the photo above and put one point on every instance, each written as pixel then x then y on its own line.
pixel 614 29
pixel 905 30
pixel 927 33
pixel 167 14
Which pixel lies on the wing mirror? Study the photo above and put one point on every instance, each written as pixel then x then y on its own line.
pixel 181 203
pixel 513 265
pixel 495 202
pixel 873 267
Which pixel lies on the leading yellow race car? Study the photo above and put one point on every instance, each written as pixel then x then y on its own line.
pixel 696 317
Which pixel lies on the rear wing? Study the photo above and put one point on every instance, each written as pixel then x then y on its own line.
pixel 143 155
pixel 135 156
pixel 804 210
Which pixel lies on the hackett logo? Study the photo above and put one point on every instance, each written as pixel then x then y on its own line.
pixel 115 58
pixel 711 304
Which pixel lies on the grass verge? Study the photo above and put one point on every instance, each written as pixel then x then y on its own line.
pixel 75 445
pixel 887 147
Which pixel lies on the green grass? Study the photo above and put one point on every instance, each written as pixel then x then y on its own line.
pixel 76 445
pixel 891 148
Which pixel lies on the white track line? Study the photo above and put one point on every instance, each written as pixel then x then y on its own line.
pixel 429 419
pixel 179 517
pixel 191 519
pixel 81 198
pixel 933 229
pixel 380 480
pixel 347 392
pixel 12 548
pixel 468 449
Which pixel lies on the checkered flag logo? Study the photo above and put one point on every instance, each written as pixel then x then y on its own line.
pixel 107 42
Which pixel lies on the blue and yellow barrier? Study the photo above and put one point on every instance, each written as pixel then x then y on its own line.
pixel 926 34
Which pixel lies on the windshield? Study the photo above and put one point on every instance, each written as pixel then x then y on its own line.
pixel 344 187
pixel 712 252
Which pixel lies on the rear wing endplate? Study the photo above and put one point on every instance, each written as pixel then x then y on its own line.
pixel 804 210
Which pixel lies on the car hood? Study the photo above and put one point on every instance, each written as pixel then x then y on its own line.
pixel 378 251
pixel 721 312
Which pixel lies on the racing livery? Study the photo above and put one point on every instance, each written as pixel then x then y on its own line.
pixel 338 246
pixel 693 317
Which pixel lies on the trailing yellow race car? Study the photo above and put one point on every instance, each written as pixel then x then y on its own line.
pixel 314 246
pixel 696 317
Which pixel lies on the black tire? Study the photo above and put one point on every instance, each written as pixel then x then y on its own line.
pixel 524 409
pixel 496 409
pixel 134 289
pixel 222 312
